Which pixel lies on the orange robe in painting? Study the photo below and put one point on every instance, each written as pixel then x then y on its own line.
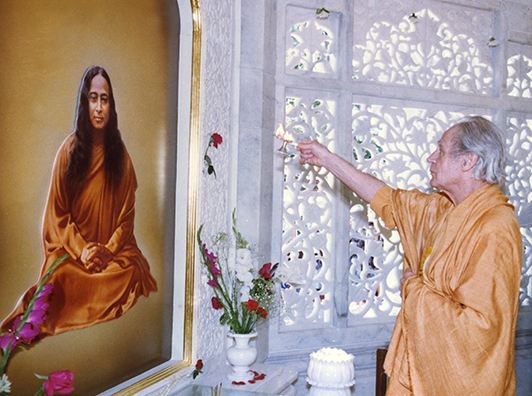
pixel 455 332
pixel 96 214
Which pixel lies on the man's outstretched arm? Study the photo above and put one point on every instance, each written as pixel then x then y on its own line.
pixel 362 184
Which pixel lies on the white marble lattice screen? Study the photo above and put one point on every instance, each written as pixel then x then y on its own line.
pixel 395 46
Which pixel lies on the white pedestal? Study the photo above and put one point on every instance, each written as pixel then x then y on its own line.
pixel 278 380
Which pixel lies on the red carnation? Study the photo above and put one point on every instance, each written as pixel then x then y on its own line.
pixel 252 305
pixel 262 313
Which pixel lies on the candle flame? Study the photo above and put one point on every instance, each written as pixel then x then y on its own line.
pixel 282 134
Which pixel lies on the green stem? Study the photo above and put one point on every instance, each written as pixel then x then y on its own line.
pixel 248 320
pixel 27 313
pixel 5 357
pixel 208 145
pixel 40 391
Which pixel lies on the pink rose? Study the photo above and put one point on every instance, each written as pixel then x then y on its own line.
pixel 59 381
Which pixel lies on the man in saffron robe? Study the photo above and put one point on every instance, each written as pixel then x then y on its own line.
pixel 90 215
pixel 463 256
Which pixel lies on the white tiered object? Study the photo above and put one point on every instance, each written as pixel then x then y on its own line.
pixel 331 372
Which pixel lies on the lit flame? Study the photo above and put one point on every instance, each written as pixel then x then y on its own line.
pixel 283 135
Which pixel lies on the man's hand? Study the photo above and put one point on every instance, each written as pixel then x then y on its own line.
pixel 408 274
pixel 95 257
pixel 312 153
pixel 362 184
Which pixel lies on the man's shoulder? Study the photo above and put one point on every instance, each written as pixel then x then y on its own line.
pixel 500 215
pixel 67 142
pixel 63 153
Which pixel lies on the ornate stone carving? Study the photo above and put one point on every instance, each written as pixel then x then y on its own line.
pixel 429 45
pixel 217 17
pixel 519 82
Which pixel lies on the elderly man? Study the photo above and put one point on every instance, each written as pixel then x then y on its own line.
pixel 463 254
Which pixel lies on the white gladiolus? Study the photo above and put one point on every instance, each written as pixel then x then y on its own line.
pixel 244 293
pixel 243 256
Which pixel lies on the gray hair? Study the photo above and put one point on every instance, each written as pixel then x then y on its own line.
pixel 483 138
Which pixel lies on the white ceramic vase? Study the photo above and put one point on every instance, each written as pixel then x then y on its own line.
pixel 241 355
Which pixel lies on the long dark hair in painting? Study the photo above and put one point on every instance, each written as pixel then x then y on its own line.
pixel 80 155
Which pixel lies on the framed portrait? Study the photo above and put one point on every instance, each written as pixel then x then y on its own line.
pixel 151 53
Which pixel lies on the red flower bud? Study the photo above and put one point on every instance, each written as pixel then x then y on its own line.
pixel 199 364
pixel 265 271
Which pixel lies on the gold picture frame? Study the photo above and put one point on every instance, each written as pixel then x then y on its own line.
pixel 192 194
pixel 27 160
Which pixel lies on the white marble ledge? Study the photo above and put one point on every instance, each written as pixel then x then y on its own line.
pixel 278 380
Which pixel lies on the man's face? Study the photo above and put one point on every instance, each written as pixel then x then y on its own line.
pixel 445 169
pixel 99 103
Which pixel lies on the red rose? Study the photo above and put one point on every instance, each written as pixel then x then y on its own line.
pixel 252 305
pixel 216 140
pixel 216 304
pixel 199 364
pixel 197 371
pixel 59 381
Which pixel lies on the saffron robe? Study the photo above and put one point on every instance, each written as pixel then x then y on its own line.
pixel 455 332
pixel 97 213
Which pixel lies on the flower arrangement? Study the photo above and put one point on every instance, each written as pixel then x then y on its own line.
pixel 215 140
pixel 245 294
pixel 25 329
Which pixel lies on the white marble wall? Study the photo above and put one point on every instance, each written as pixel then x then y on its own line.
pixel 240 100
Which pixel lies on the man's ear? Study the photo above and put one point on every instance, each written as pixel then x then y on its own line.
pixel 469 161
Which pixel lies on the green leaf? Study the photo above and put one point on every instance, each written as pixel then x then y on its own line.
pixel 195 373
pixel 224 319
